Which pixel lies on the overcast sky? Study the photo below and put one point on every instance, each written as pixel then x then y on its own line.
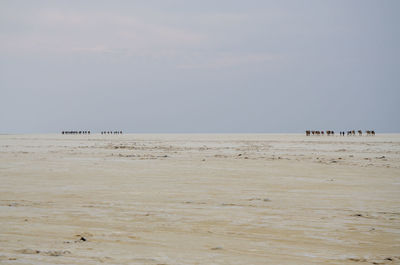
pixel 199 66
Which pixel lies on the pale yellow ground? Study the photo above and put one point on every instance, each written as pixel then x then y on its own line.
pixel 199 199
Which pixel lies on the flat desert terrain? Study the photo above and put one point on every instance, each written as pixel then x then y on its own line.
pixel 199 199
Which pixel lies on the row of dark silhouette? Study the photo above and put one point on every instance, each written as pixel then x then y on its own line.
pixel 111 132
pixel 342 133
pixel 309 132
pixel 88 132
pixel 75 132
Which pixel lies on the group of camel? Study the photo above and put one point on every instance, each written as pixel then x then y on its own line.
pixel 353 132
pixel 349 133
pixel 88 132
pixel 308 133
pixel 75 132
pixel 110 132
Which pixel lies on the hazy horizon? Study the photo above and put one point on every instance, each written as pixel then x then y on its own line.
pixel 203 133
pixel 199 67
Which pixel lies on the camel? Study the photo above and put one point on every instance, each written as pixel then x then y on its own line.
pixel 330 133
pixel 370 132
pixel 351 132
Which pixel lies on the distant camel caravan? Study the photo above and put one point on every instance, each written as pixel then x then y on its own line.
pixel 111 132
pixel 88 132
pixel 331 133
pixel 308 133
pixel 75 132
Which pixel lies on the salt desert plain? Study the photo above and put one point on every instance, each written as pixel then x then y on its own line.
pixel 199 199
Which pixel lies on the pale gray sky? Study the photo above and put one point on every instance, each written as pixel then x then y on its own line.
pixel 199 66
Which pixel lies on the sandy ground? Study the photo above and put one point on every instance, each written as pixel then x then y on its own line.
pixel 199 199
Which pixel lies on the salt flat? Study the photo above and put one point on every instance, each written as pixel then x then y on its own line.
pixel 199 199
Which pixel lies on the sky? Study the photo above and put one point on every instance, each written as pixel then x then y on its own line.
pixel 210 66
